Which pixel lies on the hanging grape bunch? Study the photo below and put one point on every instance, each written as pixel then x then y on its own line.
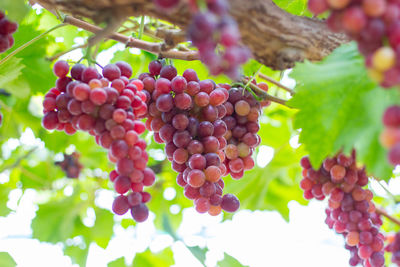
pixel 213 27
pixel 394 248
pixel 374 25
pixel 350 211
pixel 71 165
pixel 7 28
pixel 390 137
pixel 109 107
pixel 196 119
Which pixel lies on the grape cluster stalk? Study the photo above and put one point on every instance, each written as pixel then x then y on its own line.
pixel 375 25
pixel 201 124
pixel 390 137
pixel 212 28
pixel 350 210
pixel 7 28
pixel 108 107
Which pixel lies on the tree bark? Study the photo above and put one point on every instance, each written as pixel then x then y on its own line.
pixel 276 38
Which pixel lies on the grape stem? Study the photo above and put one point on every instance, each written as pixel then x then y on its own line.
pixel 384 213
pixel 269 79
pixel 155 48
pixel 18 161
pixel 22 47
pixel 264 95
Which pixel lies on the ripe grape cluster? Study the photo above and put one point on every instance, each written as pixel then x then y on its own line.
pixel 394 248
pixel 374 24
pixel 191 117
pixel 211 29
pixel 109 107
pixel 7 28
pixel 71 165
pixel 350 211
pixel 214 28
pixel 390 137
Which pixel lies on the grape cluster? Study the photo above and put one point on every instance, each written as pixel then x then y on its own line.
pixel 1 119
pixel 390 137
pixel 242 113
pixel 108 107
pixel 375 25
pixel 214 28
pixel 195 119
pixel 350 211
pixel 71 165
pixel 166 4
pixel 7 28
pixel 394 248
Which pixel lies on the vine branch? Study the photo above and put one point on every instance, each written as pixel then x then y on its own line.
pixel 384 213
pixel 264 95
pixel 155 48
pixel 269 79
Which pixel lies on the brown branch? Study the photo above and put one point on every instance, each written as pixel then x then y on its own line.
pixel 384 213
pixel 269 79
pixel 264 95
pixel 155 48
pixel 276 38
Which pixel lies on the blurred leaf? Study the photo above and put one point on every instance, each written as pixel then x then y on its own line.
pixel 120 262
pixel 229 261
pixel 6 260
pixel 4 210
pixel 16 9
pixel 199 253
pixel 102 230
pixel 78 255
pixel 55 220
pixel 150 259
pixel 341 108
pixel 296 7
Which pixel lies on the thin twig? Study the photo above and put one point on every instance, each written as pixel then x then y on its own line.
pixel 269 79
pixel 384 213
pixel 260 92
pixel 56 56
pixel 155 48
pixel 22 47
pixel 18 161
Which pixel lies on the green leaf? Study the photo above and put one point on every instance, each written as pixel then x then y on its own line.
pixel 10 78
pixel 16 9
pixel 120 262
pixel 199 253
pixel 4 210
pixel 55 220
pixel 150 259
pixel 6 260
pixel 77 254
pixel 102 230
pixel 229 261
pixel 296 7
pixel 341 108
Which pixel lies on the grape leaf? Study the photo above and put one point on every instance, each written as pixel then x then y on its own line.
pixel 9 72
pixel 341 108
pixel 150 259
pixel 296 7
pixel 6 260
pixel 4 191
pixel 120 262
pixel 16 9
pixel 229 261
pixel 55 220
pixel 77 254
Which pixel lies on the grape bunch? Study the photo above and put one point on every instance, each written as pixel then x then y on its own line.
pixel 7 28
pixel 191 116
pixel 214 28
pixel 394 248
pixel 71 165
pixel 242 114
pixel 211 29
pixel 109 107
pixel 350 210
pixel 186 114
pixel 390 137
pixel 375 25
pixel 1 119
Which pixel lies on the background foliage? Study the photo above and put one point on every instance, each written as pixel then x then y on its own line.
pixel 336 107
